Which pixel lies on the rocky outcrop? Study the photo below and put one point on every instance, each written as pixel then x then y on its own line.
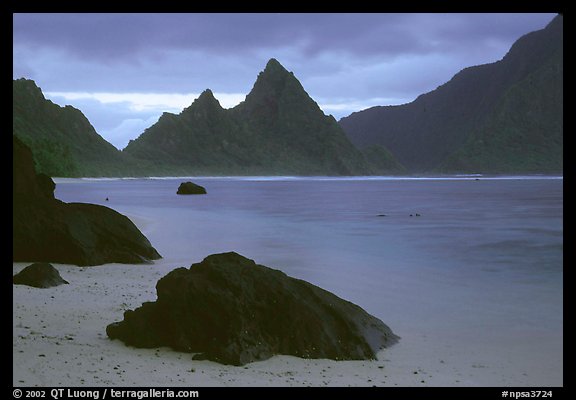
pixel 233 311
pixel 39 275
pixel 190 188
pixel 46 229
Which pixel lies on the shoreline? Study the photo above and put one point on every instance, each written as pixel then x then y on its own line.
pixel 472 177
pixel 59 339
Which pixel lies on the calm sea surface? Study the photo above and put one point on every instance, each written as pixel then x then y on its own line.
pixel 482 260
pixel 467 225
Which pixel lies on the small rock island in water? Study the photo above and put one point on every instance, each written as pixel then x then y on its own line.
pixel 190 188
pixel 233 311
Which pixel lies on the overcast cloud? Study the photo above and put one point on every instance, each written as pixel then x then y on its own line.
pixel 124 70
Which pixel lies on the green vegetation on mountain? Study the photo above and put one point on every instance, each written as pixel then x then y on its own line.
pixel 382 161
pixel 277 130
pixel 62 140
pixel 524 131
pixel 504 117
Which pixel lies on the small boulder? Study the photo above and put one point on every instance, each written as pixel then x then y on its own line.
pixel 190 188
pixel 39 275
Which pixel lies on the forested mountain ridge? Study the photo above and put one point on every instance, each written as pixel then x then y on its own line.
pixel 503 117
pixel 62 140
pixel 277 130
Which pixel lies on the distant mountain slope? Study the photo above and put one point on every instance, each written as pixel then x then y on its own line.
pixel 501 117
pixel 278 129
pixel 63 141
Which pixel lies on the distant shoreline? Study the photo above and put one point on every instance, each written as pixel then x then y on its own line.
pixel 318 178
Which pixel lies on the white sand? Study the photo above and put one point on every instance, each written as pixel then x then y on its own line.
pixel 59 339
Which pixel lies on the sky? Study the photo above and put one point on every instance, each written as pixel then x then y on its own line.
pixel 124 70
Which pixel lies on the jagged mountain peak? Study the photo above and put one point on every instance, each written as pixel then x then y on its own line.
pixel 273 65
pixel 206 95
pixel 276 88
pixel 556 23
pixel 28 88
pixel 205 104
pixel 274 78
pixel 207 98
pixel 278 129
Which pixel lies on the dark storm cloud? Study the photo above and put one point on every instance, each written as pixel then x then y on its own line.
pixel 121 37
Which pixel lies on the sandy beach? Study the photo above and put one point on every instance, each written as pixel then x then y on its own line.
pixel 59 339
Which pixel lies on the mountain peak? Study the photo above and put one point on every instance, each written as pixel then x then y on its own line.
pixel 207 94
pixel 556 23
pixel 272 83
pixel 274 65
pixel 277 129
pixel 205 104
pixel 27 87
pixel 275 72
pixel 207 98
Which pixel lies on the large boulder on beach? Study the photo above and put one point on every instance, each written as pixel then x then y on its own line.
pixel 49 230
pixel 190 188
pixel 231 310
pixel 39 275
pixel 77 233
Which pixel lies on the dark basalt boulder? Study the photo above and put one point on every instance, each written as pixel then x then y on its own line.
pixel 190 188
pixel 39 275
pixel 77 233
pixel 49 230
pixel 233 311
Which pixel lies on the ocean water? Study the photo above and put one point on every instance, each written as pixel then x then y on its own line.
pixel 480 269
